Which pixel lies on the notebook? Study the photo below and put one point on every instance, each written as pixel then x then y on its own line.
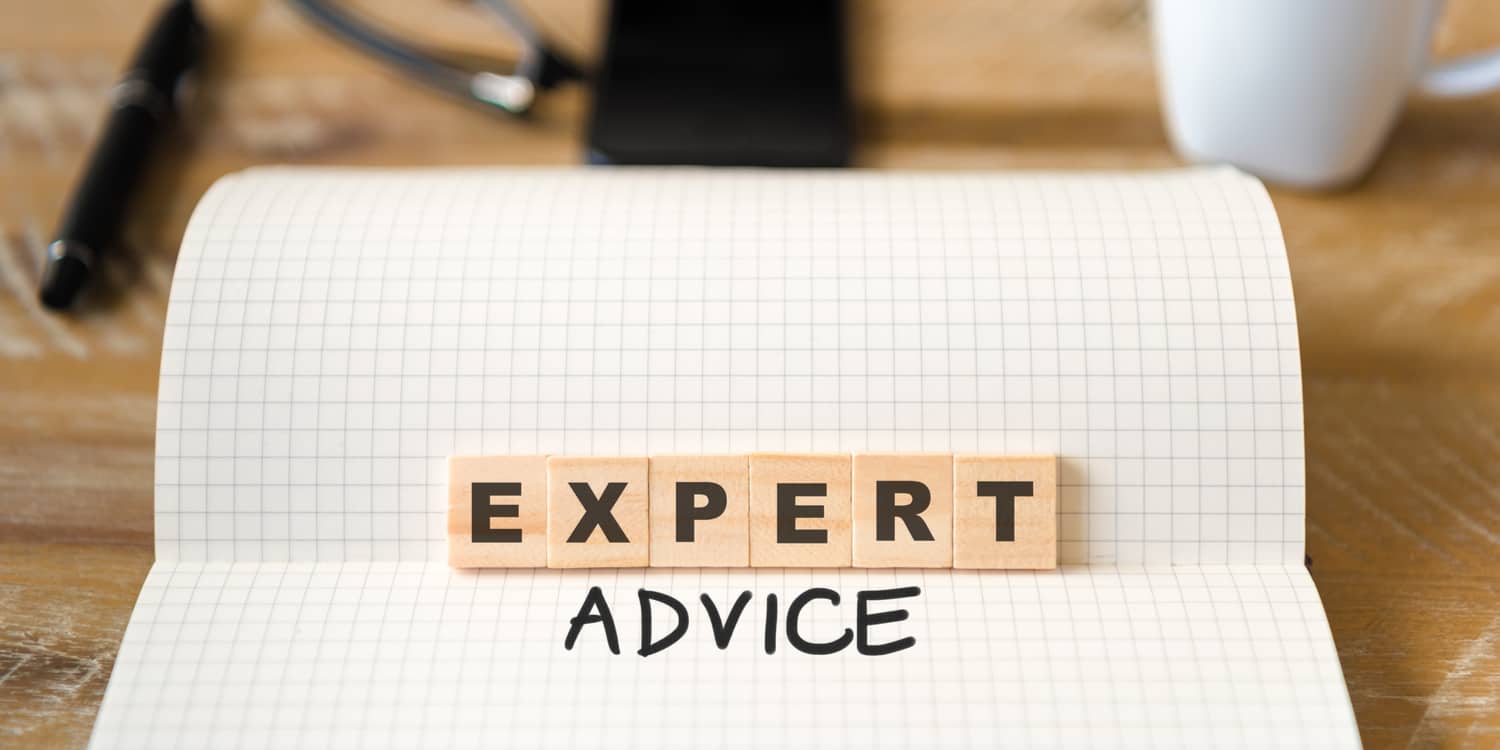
pixel 334 335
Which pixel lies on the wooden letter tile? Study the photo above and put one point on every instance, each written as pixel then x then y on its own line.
pixel 1005 496
pixel 799 510
pixel 497 511
pixel 597 512
pixel 903 510
pixel 714 532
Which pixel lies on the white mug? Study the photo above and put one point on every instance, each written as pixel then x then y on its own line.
pixel 1302 92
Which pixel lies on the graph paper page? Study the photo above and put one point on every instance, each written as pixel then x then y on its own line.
pixel 334 335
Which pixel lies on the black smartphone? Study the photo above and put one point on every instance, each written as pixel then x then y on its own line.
pixel 728 83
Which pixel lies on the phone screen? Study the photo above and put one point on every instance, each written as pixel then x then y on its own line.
pixel 722 84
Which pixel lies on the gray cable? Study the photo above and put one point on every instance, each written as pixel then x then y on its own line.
pixel 539 68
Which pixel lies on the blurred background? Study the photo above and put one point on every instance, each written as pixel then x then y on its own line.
pixel 1397 280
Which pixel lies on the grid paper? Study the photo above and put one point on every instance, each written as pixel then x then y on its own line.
pixel 334 335
pixel 376 654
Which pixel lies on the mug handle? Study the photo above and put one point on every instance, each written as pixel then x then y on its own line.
pixel 1466 76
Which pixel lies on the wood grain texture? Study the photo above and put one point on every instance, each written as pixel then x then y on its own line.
pixel 1027 539
pixel 902 549
pixel 605 502
pixel 1397 283
pixel 522 499
pixel 63 608
pixel 722 541
pixel 806 527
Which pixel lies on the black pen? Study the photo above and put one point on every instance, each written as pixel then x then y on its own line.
pixel 139 108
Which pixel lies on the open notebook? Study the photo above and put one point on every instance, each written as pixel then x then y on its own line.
pixel 334 335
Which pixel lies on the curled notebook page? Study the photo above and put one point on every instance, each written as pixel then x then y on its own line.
pixel 334 336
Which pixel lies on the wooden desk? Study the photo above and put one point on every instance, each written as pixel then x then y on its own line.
pixel 1397 282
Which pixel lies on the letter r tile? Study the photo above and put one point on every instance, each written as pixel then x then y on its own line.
pixel 497 511
pixel 903 510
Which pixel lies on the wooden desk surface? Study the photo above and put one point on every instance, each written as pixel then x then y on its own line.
pixel 1397 283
